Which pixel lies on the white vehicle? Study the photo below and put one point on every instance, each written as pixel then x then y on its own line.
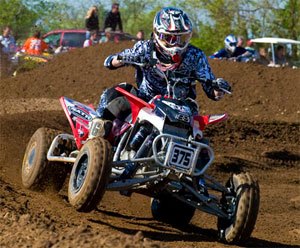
pixel 272 41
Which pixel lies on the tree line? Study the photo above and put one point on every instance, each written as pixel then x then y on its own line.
pixel 212 19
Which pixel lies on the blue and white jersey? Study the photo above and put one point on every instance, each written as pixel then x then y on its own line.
pixel 225 54
pixel 194 66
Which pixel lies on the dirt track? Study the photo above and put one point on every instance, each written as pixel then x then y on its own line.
pixel 262 136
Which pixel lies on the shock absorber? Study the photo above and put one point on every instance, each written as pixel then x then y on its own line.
pixel 139 137
pixel 146 146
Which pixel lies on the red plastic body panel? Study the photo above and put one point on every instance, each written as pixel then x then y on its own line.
pixel 205 120
pixel 136 103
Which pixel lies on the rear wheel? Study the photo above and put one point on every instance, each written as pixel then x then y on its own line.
pixel 37 172
pixel 170 210
pixel 243 204
pixel 90 174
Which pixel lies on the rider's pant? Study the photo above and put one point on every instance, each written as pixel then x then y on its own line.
pixel 113 104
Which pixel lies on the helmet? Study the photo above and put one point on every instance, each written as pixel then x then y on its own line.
pixel 172 31
pixel 230 43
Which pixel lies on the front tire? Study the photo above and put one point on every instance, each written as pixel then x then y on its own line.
pixel 90 174
pixel 243 203
pixel 37 172
pixel 170 210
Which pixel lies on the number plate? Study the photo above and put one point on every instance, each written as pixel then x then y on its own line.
pixel 181 156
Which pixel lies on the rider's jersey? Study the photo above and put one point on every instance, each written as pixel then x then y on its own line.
pixel 224 54
pixel 194 66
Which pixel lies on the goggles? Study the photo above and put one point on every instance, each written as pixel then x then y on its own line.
pixel 233 44
pixel 175 40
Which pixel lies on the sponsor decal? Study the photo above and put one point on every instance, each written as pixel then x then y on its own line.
pixel 79 113
pixel 180 108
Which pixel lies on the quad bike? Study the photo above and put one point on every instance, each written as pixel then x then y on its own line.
pixel 158 150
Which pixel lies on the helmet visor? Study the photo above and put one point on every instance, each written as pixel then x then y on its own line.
pixel 171 40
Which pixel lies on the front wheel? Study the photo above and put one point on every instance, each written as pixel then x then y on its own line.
pixel 170 210
pixel 37 172
pixel 90 174
pixel 242 203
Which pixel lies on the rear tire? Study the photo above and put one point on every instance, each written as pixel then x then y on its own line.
pixel 246 193
pixel 90 174
pixel 37 172
pixel 170 210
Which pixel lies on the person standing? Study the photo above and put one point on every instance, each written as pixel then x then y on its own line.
pixel 113 19
pixel 35 45
pixel 91 21
pixel 7 41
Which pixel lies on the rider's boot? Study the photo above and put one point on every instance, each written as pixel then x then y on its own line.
pixel 100 128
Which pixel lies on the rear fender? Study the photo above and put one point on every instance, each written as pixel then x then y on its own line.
pixel 79 117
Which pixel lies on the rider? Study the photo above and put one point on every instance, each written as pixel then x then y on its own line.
pixel 170 49
pixel 231 50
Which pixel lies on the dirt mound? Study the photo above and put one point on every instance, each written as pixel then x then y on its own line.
pixel 261 136
pixel 258 91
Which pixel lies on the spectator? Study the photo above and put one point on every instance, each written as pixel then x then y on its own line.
pixel 231 50
pixel 106 37
pixel 252 53
pixel 240 41
pixel 263 57
pixel 113 19
pixel 91 21
pixel 280 56
pixel 7 41
pixel 140 35
pixel 35 45
pixel 92 40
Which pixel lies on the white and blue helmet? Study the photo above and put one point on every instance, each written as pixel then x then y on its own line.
pixel 230 43
pixel 172 31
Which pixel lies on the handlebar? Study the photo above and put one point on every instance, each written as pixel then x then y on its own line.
pixel 226 91
pixel 218 84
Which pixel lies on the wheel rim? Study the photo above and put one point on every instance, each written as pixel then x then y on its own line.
pixel 30 159
pixel 230 204
pixel 80 173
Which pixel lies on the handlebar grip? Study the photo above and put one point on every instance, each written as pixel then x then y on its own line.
pixel 132 60
pixel 222 85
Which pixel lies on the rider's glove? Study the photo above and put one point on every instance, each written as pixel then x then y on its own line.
pixel 131 59
pixel 219 88
pixel 220 84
